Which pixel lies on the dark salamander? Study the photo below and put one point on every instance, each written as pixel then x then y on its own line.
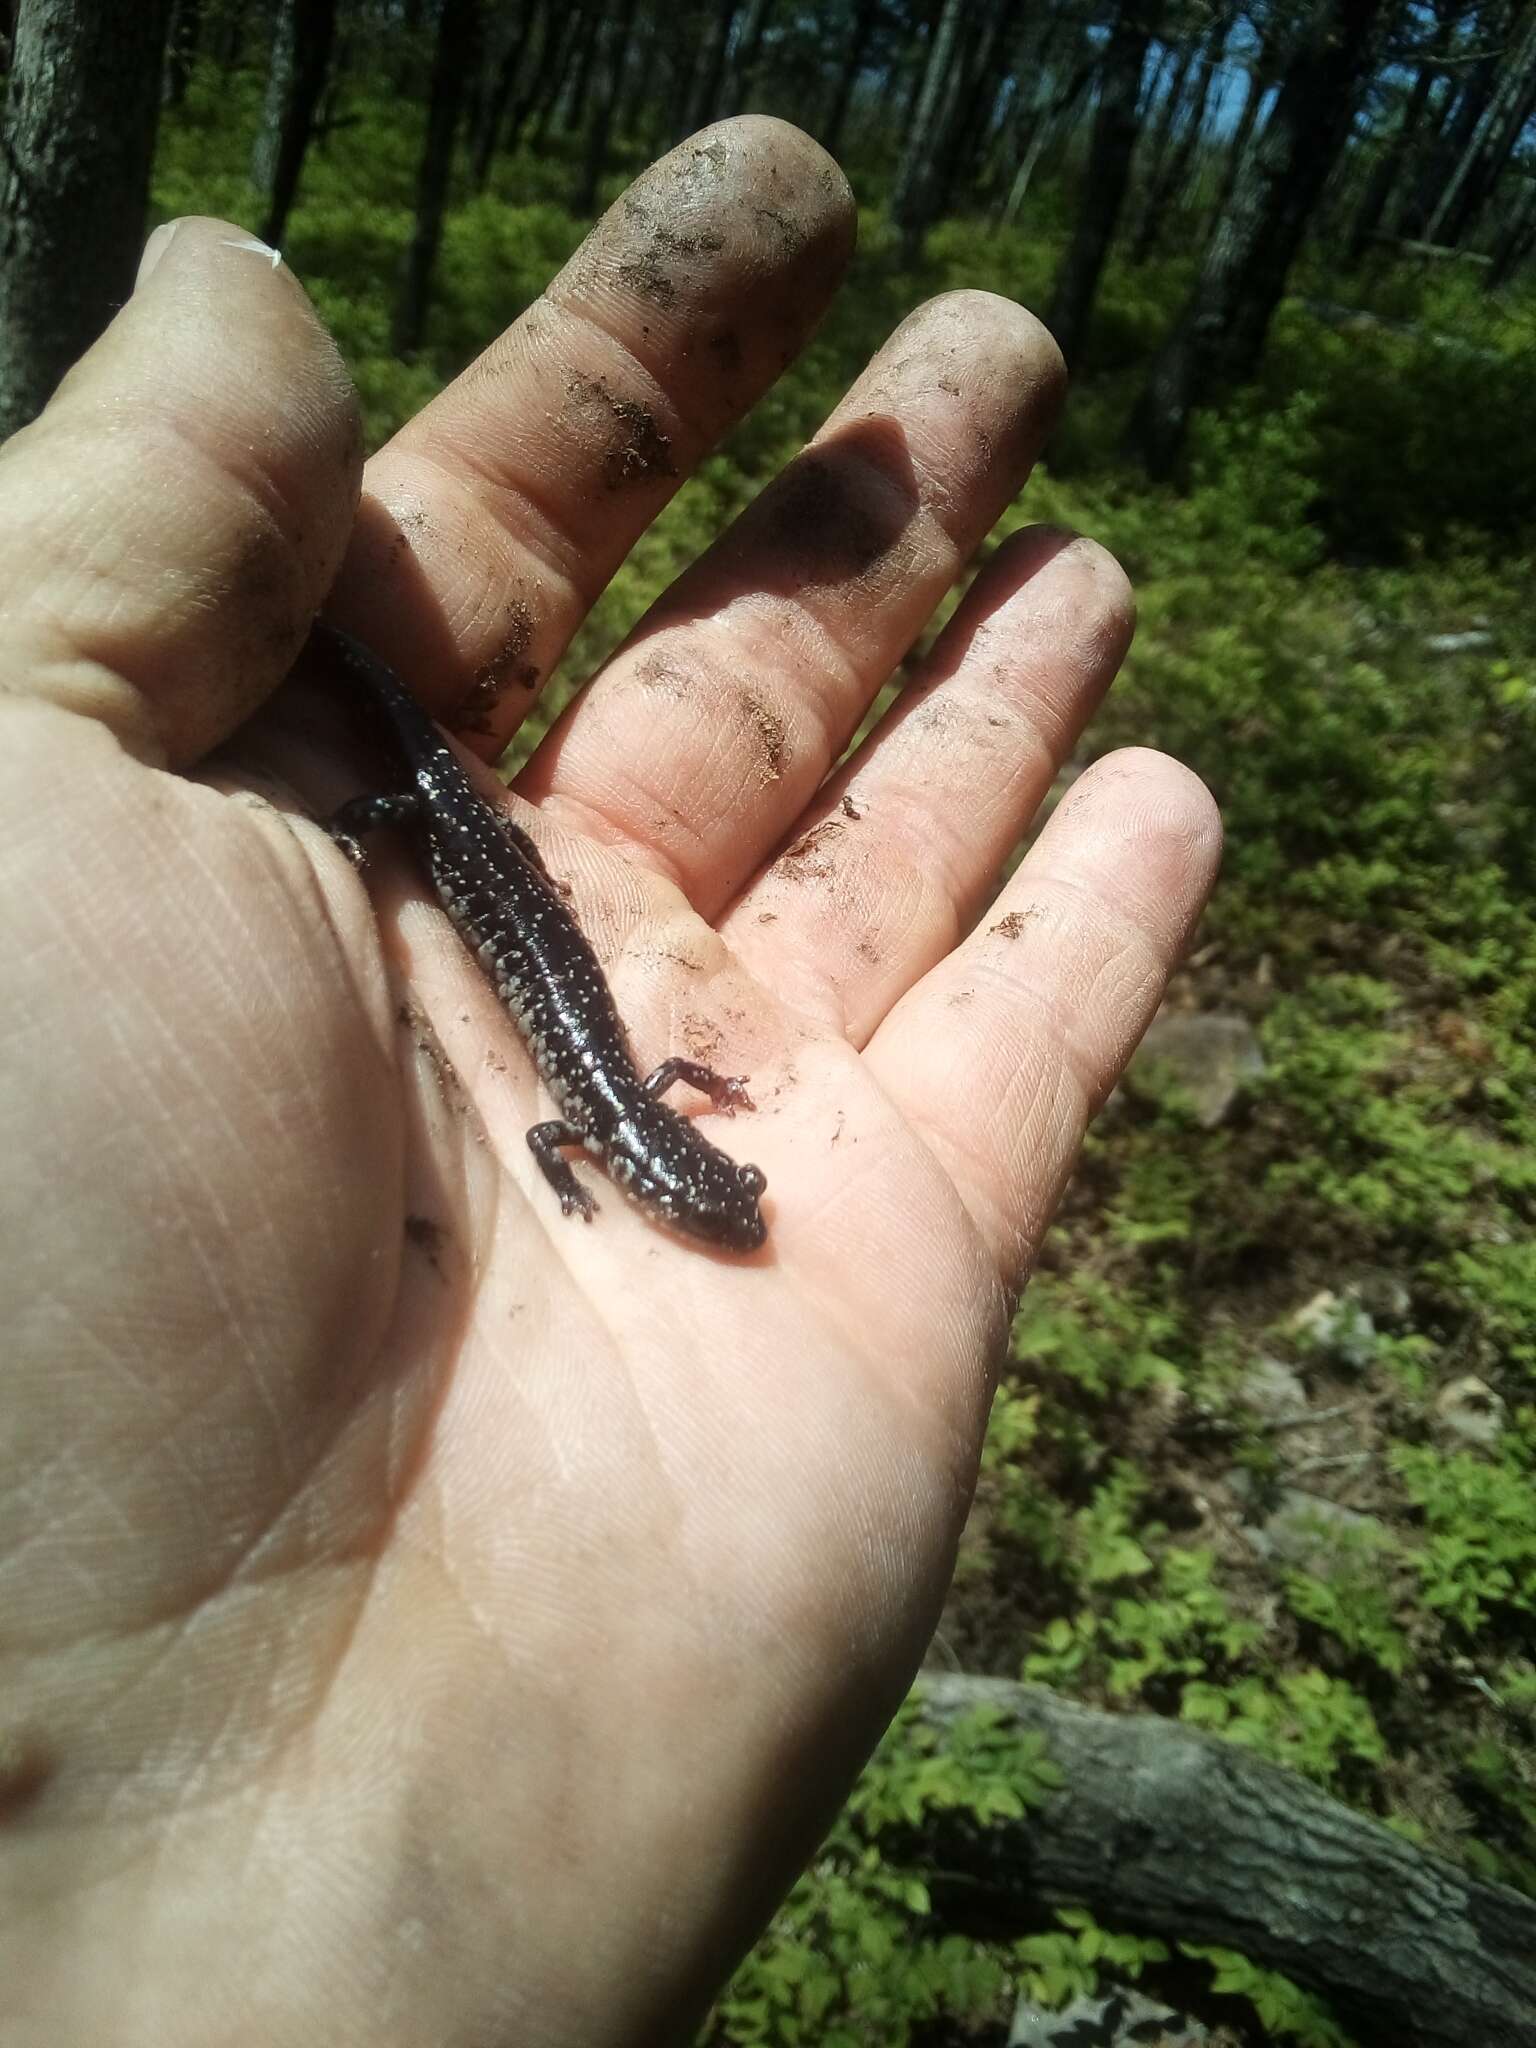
pixel 493 883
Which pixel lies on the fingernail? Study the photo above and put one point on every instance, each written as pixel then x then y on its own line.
pixel 154 249
pixel 274 256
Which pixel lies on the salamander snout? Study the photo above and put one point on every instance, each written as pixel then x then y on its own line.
pixel 722 1206
pixel 747 1228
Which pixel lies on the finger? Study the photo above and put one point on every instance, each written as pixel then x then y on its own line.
pixel 702 742
pixel 493 520
pixel 171 521
pixel 1000 1055
pixel 905 845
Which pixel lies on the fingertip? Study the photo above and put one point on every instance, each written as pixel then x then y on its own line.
pixel 171 521
pixel 1155 819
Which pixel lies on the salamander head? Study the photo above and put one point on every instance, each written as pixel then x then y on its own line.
pixel 717 1201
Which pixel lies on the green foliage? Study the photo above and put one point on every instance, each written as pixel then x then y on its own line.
pixel 1356 1604
pixel 1316 1724
pixel 1063 1965
pixel 852 1957
pixel 1477 1562
pixel 1284 2009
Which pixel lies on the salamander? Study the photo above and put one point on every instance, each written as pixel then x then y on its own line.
pixel 512 914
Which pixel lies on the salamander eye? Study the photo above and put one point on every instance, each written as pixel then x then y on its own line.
pixel 751 1179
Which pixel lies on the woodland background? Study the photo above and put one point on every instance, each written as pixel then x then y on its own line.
pixel 1264 1462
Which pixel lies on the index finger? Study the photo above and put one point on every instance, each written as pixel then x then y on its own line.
pixel 492 521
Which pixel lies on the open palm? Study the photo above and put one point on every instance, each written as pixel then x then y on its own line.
pixel 424 1617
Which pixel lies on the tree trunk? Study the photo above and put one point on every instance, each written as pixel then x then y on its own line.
pixel 1109 171
pixel 1462 121
pixel 1389 165
pixel 1167 1830
pixel 552 86
pixel 543 79
pixel 1156 149
pixel 281 60
pixel 594 18
pixel 456 32
pixel 741 72
pixel 80 121
pixel 1490 147
pixel 968 116
pixel 911 202
pixel 1515 238
pixel 181 50
pixel 306 31
pixel 616 34
pixel 1046 116
pixel 511 48
pixel 1171 165
pixel 855 50
pixel 704 99
pixel 1220 334
pixel 1178 174
pixel 636 113
pixel 1242 136
pixel 230 24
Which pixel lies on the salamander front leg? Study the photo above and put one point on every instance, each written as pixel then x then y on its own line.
pixel 367 814
pixel 728 1092
pixel 544 1142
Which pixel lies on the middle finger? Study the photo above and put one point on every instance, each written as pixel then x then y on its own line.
pixel 702 741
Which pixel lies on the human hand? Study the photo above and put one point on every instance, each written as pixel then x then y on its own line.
pixel 424 1618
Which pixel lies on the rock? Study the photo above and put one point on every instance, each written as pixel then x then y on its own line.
pixel 1316 1534
pixel 1210 1057
pixel 1114 2019
pixel 1385 1297
pixel 1336 1329
pixel 1471 1410
pixel 1272 1389
pixel 1457 643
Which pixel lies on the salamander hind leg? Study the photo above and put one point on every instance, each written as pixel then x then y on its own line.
pixel 728 1092
pixel 544 1142
pixel 367 814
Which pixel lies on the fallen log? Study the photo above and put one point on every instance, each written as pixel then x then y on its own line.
pixel 1169 1831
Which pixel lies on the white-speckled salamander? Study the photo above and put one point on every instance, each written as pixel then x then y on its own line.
pixel 493 883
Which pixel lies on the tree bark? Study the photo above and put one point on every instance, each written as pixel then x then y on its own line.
pixel 1515 237
pixel 1155 149
pixel 80 122
pixel 1397 152
pixel 1171 166
pixel 511 48
pixel 305 33
pixel 1170 1831
pixel 1462 120
pixel 455 44
pixel 970 109
pixel 567 28
pixel 616 30
pixel 855 50
pixel 594 18
pixel 545 77
pixel 1109 171
pixel 705 96
pixel 1220 334
pixel 1242 136
pixel 741 74
pixel 1046 115
pixel 912 199
pixel 1490 147
pixel 181 50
